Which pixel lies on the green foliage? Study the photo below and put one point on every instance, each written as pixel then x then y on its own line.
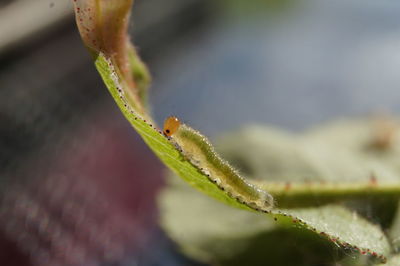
pixel 214 233
pixel 309 175
pixel 161 146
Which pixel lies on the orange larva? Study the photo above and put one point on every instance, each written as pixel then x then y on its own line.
pixel 171 125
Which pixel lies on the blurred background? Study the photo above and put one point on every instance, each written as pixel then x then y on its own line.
pixel 78 184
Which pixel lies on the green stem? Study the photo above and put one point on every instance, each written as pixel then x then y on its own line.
pixel 288 195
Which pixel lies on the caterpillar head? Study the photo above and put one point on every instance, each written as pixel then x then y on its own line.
pixel 171 125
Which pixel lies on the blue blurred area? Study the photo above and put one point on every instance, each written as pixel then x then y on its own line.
pixel 315 61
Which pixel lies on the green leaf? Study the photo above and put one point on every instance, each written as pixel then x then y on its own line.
pixel 338 151
pixel 316 220
pixel 212 232
pixel 103 24
pixel 343 227
pixel 103 27
pixel 315 168
pixel 160 145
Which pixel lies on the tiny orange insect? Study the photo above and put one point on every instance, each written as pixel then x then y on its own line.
pixel 171 125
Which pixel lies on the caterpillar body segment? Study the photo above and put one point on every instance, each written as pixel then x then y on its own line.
pixel 199 151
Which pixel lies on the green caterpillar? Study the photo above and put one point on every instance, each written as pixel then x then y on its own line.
pixel 198 150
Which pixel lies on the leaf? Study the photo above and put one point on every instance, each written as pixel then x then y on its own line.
pixel 316 220
pixel 160 145
pixel 205 228
pixel 343 227
pixel 103 24
pixel 330 153
pixel 103 27
pixel 313 169
pixel 212 232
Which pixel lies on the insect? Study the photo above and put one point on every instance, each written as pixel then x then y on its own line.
pixel 199 151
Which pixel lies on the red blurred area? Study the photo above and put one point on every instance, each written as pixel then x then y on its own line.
pixel 94 203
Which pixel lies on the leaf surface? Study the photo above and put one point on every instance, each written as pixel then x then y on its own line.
pixel 103 25
pixel 213 232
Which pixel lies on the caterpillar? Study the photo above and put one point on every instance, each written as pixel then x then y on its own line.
pixel 199 151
